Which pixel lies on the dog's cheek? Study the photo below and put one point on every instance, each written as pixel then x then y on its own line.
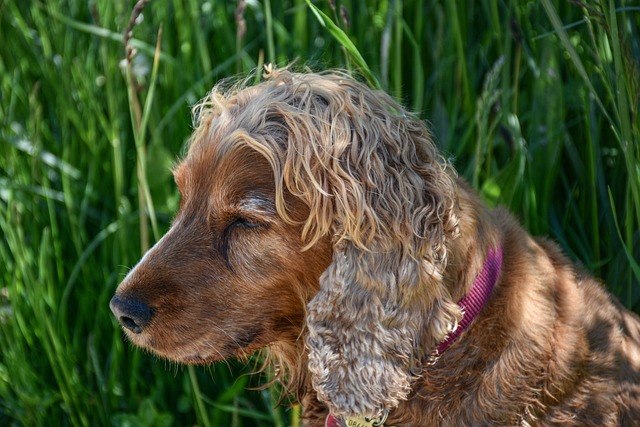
pixel 259 255
pixel 271 269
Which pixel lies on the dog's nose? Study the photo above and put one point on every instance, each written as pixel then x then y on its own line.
pixel 131 313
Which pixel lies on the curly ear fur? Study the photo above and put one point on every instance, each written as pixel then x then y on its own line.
pixel 374 182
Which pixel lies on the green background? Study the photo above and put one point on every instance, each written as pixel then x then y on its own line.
pixel 535 102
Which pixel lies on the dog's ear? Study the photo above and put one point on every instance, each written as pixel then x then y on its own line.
pixel 375 182
pixel 377 317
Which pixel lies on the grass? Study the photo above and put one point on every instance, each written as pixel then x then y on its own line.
pixel 535 102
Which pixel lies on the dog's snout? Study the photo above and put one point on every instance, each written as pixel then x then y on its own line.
pixel 131 313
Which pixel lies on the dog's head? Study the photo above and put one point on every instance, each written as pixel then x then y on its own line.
pixel 305 197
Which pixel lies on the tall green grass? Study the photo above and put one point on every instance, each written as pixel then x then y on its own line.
pixel 535 102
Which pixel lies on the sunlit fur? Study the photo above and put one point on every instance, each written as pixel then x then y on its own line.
pixel 319 222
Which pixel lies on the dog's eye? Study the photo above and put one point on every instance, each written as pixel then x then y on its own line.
pixel 238 224
pixel 241 222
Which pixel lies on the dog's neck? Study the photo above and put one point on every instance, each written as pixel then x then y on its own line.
pixel 477 297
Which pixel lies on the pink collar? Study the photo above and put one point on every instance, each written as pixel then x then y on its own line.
pixel 480 292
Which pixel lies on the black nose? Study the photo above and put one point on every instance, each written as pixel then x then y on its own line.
pixel 131 313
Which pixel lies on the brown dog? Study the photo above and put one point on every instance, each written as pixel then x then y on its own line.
pixel 319 222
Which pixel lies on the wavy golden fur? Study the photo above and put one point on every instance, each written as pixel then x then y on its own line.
pixel 319 222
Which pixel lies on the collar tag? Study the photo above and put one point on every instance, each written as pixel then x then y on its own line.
pixel 350 422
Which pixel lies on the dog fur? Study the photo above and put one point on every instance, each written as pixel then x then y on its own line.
pixel 319 222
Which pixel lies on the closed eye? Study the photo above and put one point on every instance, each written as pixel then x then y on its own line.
pixel 235 225
pixel 241 222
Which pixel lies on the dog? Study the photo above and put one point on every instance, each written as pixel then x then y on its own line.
pixel 319 222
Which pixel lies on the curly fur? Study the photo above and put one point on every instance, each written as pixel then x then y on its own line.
pixel 319 221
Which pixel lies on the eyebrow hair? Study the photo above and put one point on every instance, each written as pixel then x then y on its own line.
pixel 257 203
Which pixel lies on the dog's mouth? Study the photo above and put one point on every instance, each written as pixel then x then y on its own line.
pixel 243 341
pixel 239 347
pixel 198 349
